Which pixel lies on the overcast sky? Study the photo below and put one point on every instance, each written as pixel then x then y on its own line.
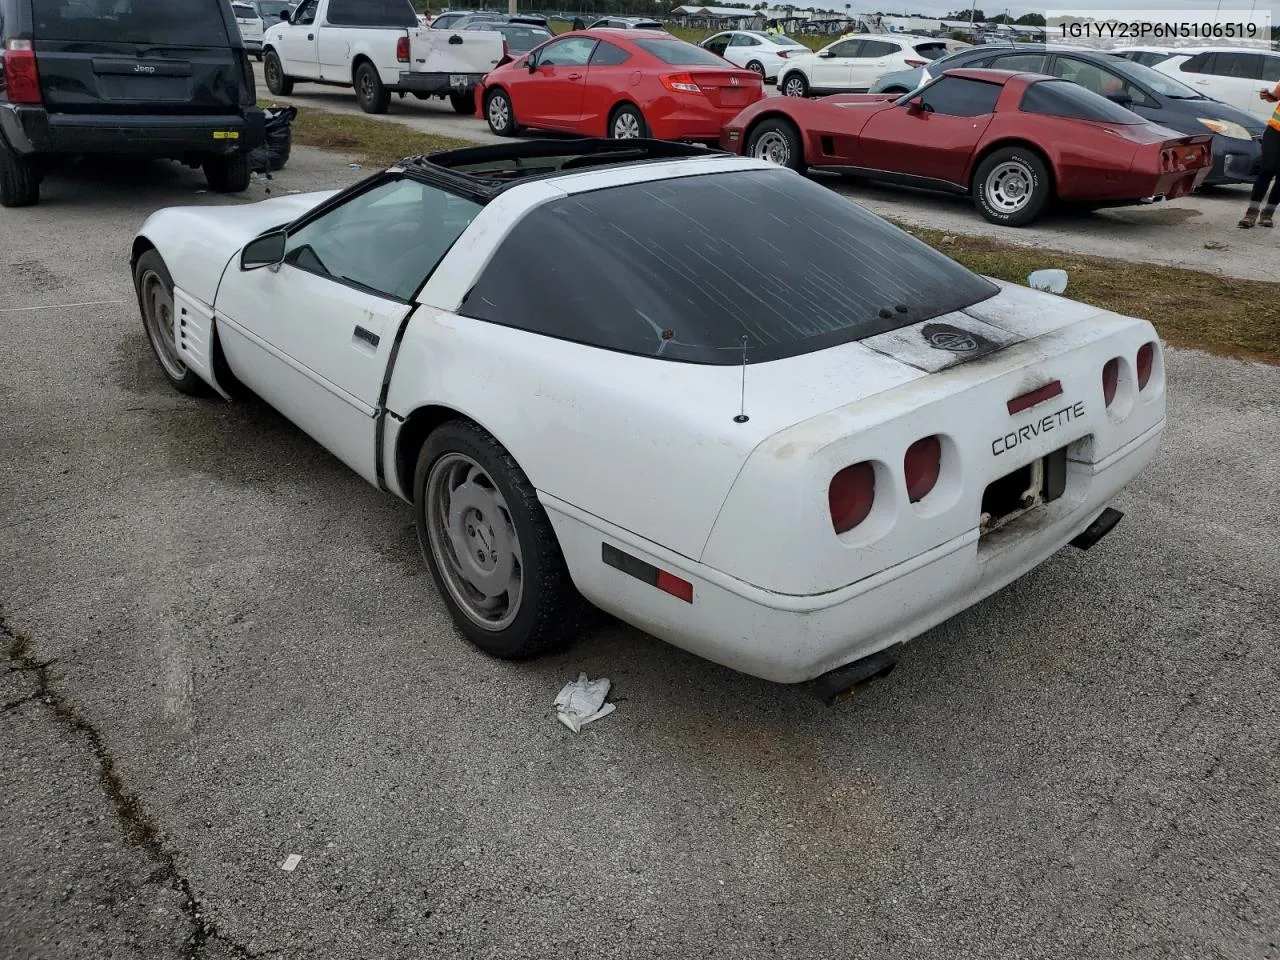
pixel 1185 9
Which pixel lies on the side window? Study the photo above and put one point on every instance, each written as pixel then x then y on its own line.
pixel 607 55
pixel 570 52
pixel 1024 62
pixel 1271 69
pixel 874 49
pixel 1097 80
pixel 387 240
pixel 744 40
pixel 306 12
pixel 1059 98
pixel 718 45
pixel 847 49
pixel 954 97
pixel 1240 66
pixel 1200 63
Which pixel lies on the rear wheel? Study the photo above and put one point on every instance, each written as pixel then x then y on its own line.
pixel 498 111
pixel 627 123
pixel 154 286
pixel 277 82
pixel 756 67
pixel 1012 186
pixel 228 174
pixel 794 85
pixel 490 547
pixel 372 96
pixel 463 102
pixel 777 141
pixel 19 180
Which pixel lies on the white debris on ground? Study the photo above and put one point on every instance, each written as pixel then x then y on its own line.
pixel 582 701
pixel 291 862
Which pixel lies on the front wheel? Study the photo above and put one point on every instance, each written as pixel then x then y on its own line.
pixel 794 85
pixel 1012 186
pixel 273 70
pixel 490 547
pixel 228 174
pixel 777 141
pixel 372 96
pixel 154 287
pixel 499 113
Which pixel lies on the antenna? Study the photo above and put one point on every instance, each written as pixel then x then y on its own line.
pixel 742 409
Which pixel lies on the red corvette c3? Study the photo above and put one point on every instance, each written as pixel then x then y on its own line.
pixel 1015 141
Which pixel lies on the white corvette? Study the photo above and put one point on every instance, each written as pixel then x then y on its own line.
pixel 707 395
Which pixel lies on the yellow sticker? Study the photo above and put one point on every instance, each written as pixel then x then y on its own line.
pixel 226 134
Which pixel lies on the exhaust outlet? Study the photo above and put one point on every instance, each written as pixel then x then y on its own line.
pixel 843 683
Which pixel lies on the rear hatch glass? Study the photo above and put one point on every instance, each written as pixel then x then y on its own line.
pixel 152 22
pixel 677 53
pixel 931 51
pixel 685 269
pixel 138 56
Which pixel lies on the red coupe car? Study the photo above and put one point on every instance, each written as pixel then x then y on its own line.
pixel 1015 141
pixel 618 83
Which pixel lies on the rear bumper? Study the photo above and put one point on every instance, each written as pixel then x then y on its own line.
pixel 1235 161
pixel 28 130
pixel 790 639
pixel 438 83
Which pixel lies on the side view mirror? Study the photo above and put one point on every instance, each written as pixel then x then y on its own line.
pixel 1122 99
pixel 266 251
pixel 285 15
pixel 915 105
pixel 826 56
pixel 533 64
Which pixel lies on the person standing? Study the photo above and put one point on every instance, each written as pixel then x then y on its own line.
pixel 1270 170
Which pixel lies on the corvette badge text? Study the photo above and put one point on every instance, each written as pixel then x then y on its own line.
pixel 1046 423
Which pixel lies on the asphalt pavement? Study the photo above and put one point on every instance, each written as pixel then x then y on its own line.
pixel 1198 232
pixel 224 649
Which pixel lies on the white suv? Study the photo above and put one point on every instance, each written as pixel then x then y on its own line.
pixel 1230 74
pixel 852 63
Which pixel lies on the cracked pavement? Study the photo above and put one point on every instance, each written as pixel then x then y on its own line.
pixel 223 648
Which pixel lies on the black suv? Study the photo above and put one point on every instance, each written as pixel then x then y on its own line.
pixel 155 78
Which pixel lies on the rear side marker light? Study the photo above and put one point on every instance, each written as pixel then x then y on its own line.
pixel 1110 380
pixel 851 496
pixel 1028 400
pixel 402 50
pixel 21 79
pixel 922 464
pixel 1146 360
pixel 635 567
pixel 680 83
pixel 916 63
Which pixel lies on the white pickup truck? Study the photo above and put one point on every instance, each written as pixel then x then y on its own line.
pixel 379 47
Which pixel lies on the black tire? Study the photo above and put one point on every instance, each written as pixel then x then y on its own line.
pixel 150 269
pixel 627 117
pixel 794 84
pixel 756 67
pixel 782 140
pixel 228 174
pixel 372 96
pixel 463 103
pixel 1012 186
pixel 258 57
pixel 499 112
pixel 279 84
pixel 550 612
pixel 19 179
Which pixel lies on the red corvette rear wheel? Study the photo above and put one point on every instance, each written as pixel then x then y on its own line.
pixel 1012 186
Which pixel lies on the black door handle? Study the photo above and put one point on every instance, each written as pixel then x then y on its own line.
pixel 368 336
pixel 311 36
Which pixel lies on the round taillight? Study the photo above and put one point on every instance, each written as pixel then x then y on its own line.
pixel 1110 380
pixel 851 496
pixel 922 464
pixel 1146 361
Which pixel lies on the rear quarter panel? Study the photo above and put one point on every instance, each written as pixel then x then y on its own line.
pixel 1089 161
